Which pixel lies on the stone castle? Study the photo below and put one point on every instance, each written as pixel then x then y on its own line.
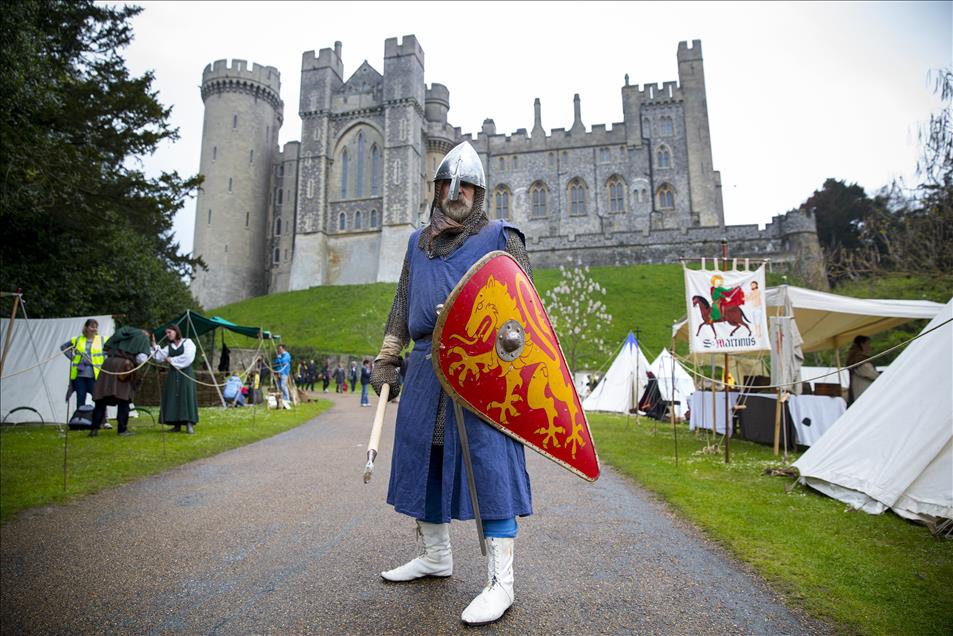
pixel 338 206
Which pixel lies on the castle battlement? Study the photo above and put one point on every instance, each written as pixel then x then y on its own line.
pixel 326 58
pixel 267 76
pixel 408 46
pixel 691 53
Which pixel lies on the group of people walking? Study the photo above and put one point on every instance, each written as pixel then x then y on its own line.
pixel 109 372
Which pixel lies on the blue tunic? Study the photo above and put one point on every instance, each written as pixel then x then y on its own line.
pixel 499 462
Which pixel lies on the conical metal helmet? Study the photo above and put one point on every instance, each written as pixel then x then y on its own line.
pixel 461 164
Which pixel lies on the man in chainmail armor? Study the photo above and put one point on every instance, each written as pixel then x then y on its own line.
pixel 428 480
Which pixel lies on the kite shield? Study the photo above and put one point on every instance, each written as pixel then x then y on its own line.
pixel 495 352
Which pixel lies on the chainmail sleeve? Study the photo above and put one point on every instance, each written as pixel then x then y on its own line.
pixel 396 337
pixel 517 249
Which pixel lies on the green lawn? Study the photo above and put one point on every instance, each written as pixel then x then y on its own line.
pixel 31 458
pixel 867 574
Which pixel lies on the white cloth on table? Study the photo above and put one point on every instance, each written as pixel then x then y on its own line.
pixel 820 410
pixel 700 403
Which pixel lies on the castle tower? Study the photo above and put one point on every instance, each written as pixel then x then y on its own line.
pixel 404 152
pixel 706 200
pixel 243 112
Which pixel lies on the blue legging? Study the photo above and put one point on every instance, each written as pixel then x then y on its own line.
pixel 495 528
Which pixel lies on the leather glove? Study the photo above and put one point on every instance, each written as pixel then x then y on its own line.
pixel 385 371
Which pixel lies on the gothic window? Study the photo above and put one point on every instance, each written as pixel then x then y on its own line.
pixel 666 197
pixel 342 221
pixel 276 257
pixel 278 226
pixel 577 197
pixel 359 180
pixel 251 156
pixel 501 200
pixel 666 128
pixel 358 220
pixel 210 216
pixel 214 153
pixel 537 196
pixel 616 190
pixel 373 218
pixel 310 188
pixel 375 171
pixel 344 169
pixel 663 157
pixel 646 127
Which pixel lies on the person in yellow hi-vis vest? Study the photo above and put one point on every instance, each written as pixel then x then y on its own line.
pixel 86 357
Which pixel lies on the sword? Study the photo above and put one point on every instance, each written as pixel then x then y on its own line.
pixel 465 448
pixel 375 440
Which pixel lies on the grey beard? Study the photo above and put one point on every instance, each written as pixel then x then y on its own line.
pixel 456 210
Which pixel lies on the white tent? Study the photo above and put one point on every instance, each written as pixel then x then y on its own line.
pixel 34 365
pixel 827 321
pixel 666 369
pixel 621 387
pixel 894 447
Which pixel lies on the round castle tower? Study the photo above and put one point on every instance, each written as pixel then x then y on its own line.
pixel 243 113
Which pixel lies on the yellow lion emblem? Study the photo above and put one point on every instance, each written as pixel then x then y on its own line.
pixel 493 306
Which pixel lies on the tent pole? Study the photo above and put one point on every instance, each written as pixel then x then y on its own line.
pixel 837 364
pixel 777 421
pixel 6 340
pixel 672 401
pixel 714 407
pixel 727 415
pixel 207 365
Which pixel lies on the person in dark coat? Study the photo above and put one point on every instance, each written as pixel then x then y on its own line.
pixel 126 350
pixel 427 480
pixel 179 403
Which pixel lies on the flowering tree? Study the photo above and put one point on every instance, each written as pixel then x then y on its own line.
pixel 577 313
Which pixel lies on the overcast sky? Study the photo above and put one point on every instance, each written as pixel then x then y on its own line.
pixel 796 92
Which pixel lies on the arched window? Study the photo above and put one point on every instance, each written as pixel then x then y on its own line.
pixel 577 197
pixel 281 195
pixel 663 157
pixel 342 221
pixel 375 171
pixel 616 190
pixel 358 220
pixel 276 257
pixel 501 199
pixel 344 169
pixel 537 197
pixel 666 197
pixel 666 128
pixel 234 121
pixel 359 180
pixel 278 226
pixel 373 218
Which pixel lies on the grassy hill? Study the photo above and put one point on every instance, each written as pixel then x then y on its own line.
pixel 349 319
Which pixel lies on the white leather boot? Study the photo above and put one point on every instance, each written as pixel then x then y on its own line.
pixel 497 596
pixel 435 558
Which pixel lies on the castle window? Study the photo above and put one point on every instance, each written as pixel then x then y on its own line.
pixel 516 162
pixel 276 257
pixel 210 216
pixel 359 180
pixel 278 226
pixel 640 194
pixel 251 156
pixel 577 197
pixel 214 153
pixel 646 127
pixel 502 163
pixel 344 168
pixel 226 248
pixel 235 121
pixel 286 255
pixel 280 195
pixel 373 218
pixel 666 197
pixel 342 221
pixel 616 188
pixel 666 128
pixel 358 220
pixel 603 154
pixel 281 169
pixel 537 195
pixel 247 218
pixel 229 184
pixel 310 188
pixel 397 172
pixel 663 157
pixel 552 159
pixel 622 151
pixel 375 171
pixel 501 200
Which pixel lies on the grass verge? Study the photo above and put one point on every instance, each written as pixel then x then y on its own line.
pixel 866 574
pixel 31 458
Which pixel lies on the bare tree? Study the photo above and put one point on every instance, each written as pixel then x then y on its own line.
pixel 577 313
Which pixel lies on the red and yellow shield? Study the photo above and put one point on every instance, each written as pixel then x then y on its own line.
pixel 495 351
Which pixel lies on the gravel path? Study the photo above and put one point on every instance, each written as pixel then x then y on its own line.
pixel 283 537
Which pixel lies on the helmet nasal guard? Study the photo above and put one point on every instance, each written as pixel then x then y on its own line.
pixel 461 164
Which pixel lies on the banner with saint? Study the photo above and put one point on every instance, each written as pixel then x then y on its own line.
pixel 726 311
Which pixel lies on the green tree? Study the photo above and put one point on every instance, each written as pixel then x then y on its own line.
pixel 839 210
pixel 85 230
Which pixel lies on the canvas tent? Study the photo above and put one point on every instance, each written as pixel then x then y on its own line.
pixel 683 385
pixel 894 447
pixel 619 390
pixel 827 321
pixel 35 365
pixel 193 325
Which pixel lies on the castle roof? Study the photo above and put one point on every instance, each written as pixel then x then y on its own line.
pixel 363 80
